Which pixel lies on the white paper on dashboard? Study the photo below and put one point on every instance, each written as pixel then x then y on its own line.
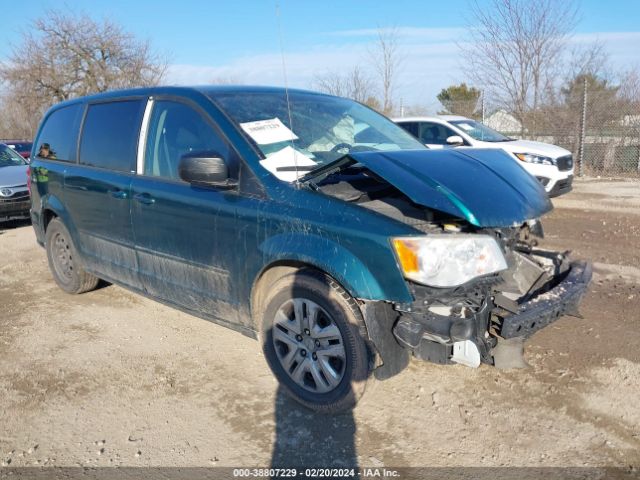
pixel 266 132
pixel 283 164
pixel 465 126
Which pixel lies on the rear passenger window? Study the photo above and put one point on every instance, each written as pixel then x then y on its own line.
pixel 58 138
pixel 110 135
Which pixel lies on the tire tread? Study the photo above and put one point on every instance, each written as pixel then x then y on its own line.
pixel 82 280
pixel 356 340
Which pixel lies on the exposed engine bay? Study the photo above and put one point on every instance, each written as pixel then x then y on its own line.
pixel 465 324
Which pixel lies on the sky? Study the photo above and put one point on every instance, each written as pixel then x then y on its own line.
pixel 245 40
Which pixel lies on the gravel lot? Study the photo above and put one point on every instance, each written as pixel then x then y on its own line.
pixel 111 378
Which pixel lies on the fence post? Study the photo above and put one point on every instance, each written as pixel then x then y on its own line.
pixel 638 132
pixel 583 128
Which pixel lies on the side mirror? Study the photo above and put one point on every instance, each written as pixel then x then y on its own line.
pixel 455 141
pixel 205 168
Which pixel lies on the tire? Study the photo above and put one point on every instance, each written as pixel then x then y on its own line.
pixel 64 262
pixel 312 337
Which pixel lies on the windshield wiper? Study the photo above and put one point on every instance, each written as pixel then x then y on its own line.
pixel 323 171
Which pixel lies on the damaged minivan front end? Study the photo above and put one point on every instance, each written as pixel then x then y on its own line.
pixel 431 253
pixel 480 282
pixel 486 319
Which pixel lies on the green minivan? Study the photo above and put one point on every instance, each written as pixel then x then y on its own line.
pixel 307 221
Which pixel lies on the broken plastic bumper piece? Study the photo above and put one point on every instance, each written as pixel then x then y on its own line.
pixel 548 307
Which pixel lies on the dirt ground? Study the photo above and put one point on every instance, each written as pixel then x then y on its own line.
pixel 110 378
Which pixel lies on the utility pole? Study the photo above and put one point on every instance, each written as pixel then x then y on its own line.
pixel 583 128
pixel 482 105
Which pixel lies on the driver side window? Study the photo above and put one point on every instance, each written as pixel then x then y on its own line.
pixel 176 129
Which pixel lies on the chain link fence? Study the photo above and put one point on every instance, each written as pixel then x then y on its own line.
pixel 600 129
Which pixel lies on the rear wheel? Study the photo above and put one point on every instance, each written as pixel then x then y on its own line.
pixel 312 339
pixel 64 263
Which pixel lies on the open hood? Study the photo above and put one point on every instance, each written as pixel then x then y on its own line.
pixel 486 187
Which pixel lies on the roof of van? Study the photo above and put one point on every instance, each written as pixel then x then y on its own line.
pixel 176 90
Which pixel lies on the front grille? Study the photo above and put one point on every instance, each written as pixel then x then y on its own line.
pixel 565 163
pixel 20 196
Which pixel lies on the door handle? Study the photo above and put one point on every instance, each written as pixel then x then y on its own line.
pixel 144 198
pixel 117 193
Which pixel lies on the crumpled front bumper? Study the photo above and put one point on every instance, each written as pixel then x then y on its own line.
pixel 431 336
pixel 546 308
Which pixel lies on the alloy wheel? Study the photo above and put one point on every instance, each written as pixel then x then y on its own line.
pixel 309 345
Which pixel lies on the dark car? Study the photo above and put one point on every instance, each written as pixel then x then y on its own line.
pixel 14 194
pixel 22 147
pixel 307 221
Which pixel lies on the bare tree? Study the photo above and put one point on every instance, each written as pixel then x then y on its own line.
pixel 65 56
pixel 332 83
pixel 361 85
pixel 516 44
pixel 387 62
pixel 15 121
pixel 560 112
pixel 355 84
pixel 591 59
pixel 630 88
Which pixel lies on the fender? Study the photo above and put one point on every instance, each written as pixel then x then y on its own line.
pixel 337 261
pixel 53 203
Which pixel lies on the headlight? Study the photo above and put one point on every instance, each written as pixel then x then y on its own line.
pixel 448 260
pixel 533 158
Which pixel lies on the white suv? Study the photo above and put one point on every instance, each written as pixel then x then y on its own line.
pixel 551 165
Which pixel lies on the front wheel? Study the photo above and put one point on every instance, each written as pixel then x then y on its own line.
pixel 312 339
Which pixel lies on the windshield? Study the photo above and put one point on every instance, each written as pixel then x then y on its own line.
pixel 9 158
pixel 315 130
pixel 480 131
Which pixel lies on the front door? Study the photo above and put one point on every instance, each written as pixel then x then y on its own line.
pixel 185 236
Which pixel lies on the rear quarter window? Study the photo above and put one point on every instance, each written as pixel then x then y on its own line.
pixel 58 137
pixel 110 135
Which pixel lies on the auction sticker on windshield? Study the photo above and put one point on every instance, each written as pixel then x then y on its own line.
pixel 266 132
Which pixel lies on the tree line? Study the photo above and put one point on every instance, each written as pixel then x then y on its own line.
pixel 65 56
pixel 520 57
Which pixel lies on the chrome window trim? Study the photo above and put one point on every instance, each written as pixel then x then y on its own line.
pixel 142 140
